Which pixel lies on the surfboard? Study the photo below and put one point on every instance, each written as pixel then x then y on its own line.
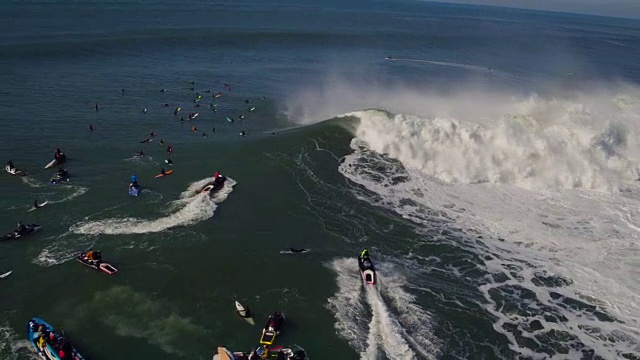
pixel 168 172
pixel 229 119
pixel 134 191
pixel 288 251
pixel 39 206
pixel 5 274
pixel 50 164
pixel 242 311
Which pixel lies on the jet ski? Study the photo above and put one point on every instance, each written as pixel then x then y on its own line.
pixel 272 328
pixel 14 171
pixel 62 175
pixel 55 341
pixel 216 185
pixel 262 352
pixel 96 263
pixel 366 268
pixel 20 232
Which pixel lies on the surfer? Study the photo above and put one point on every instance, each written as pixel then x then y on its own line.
pixel 213 129
pixel 91 128
pixel 194 129
pixel 241 117
pixel 294 250
pixel 153 134
pixel 204 134
pixel 161 142
pixel 163 90
pixel 169 149
pixel 242 133
pixel 247 101
pixel 144 111
pixel 123 90
pixel 168 161
pixel 10 166
pixel 145 140
pixel 140 153
pixel 252 109
pixel 163 172
pixel 97 107
pixel 35 204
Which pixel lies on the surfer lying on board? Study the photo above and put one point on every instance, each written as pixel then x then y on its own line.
pixel 10 165
pixel 140 153
pixel 163 172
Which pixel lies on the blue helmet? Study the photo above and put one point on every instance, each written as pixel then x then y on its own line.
pixel 134 178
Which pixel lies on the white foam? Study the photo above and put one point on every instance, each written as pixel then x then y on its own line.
pixel 544 174
pixel 13 348
pixel 193 208
pixel 348 307
pixel 398 336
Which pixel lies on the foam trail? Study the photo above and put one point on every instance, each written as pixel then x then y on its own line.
pixel 348 307
pixel 414 323
pixel 381 328
pixel 194 209
pixel 389 330
pixel 553 177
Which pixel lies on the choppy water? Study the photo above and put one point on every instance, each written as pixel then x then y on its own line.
pixel 490 167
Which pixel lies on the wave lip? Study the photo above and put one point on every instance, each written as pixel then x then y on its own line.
pixel 191 208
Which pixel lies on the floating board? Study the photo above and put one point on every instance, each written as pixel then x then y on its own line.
pixel 243 312
pixel 297 251
pixel 50 164
pixel 229 119
pixel 108 268
pixel 39 206
pixel 168 172
pixel 5 274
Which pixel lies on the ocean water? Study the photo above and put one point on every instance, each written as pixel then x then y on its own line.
pixel 490 167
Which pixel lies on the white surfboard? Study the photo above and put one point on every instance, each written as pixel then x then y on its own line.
pixel 50 164
pixel 39 206
pixel 243 312
pixel 5 274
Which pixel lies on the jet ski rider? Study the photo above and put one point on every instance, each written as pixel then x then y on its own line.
pixel 19 229
pixel 134 182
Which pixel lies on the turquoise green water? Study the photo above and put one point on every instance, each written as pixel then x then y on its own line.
pixel 483 185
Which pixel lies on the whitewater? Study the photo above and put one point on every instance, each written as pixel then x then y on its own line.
pixel 549 183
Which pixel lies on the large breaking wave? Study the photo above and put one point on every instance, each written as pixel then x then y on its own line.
pixel 550 182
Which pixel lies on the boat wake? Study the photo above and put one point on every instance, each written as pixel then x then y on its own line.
pixel 380 319
pixel 547 197
pixel 188 210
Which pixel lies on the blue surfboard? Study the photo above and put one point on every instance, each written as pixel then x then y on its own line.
pixel 134 191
